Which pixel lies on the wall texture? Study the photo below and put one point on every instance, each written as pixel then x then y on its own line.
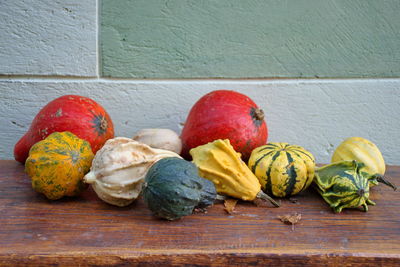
pixel 51 48
pixel 258 38
pixel 48 38
pixel 315 114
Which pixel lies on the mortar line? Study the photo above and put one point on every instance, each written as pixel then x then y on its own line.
pixel 66 79
pixel 98 55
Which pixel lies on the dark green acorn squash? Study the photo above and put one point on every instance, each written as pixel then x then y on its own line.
pixel 173 189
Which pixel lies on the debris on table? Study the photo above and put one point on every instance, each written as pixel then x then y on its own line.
pixel 291 219
pixel 230 204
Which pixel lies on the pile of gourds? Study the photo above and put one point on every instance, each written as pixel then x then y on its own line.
pixel 156 164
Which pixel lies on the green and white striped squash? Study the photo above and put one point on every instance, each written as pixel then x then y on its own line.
pixel 343 184
pixel 282 169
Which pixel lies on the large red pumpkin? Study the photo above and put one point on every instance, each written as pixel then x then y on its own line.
pixel 77 114
pixel 225 114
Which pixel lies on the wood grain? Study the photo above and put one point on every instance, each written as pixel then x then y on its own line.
pixel 86 231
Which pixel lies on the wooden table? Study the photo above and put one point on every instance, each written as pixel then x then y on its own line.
pixel 87 231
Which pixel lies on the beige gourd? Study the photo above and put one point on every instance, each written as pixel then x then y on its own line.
pixel 160 138
pixel 119 168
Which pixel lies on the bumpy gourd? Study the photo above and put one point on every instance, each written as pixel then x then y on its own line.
pixel 282 169
pixel 57 165
pixel 173 189
pixel 160 138
pixel 363 150
pixel 119 169
pixel 344 185
pixel 220 163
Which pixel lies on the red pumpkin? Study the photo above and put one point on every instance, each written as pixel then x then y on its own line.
pixel 224 114
pixel 77 114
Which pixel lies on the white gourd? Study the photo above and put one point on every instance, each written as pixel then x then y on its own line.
pixel 119 168
pixel 160 138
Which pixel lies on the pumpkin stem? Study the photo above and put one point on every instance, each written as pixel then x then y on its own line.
pixel 259 114
pixel 220 197
pixel 361 192
pixel 89 178
pixel 103 124
pixel 264 196
pixel 382 179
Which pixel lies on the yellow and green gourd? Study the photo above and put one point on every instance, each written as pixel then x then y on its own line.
pixel 282 169
pixel 363 150
pixel 343 184
pixel 58 163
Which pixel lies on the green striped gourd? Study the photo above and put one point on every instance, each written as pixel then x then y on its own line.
pixel 343 185
pixel 363 150
pixel 282 169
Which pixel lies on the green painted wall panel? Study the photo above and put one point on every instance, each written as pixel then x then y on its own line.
pixel 250 39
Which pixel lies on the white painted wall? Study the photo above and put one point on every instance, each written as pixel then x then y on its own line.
pixel 48 37
pixel 42 58
pixel 312 113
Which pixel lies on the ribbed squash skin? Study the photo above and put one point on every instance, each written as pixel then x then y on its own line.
pixel 282 169
pixel 119 169
pixel 361 150
pixel 173 189
pixel 57 165
pixel 344 185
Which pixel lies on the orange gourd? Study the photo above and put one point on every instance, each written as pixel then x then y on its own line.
pixel 57 165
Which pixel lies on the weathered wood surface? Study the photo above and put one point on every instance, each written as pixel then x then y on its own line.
pixel 87 231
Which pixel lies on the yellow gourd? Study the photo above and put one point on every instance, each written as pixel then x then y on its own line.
pixel 361 150
pixel 57 165
pixel 366 152
pixel 218 162
pixel 282 169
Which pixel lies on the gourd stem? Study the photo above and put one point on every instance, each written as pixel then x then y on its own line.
pixel 220 197
pixel 103 124
pixel 382 179
pixel 89 178
pixel 264 196
pixel 259 114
